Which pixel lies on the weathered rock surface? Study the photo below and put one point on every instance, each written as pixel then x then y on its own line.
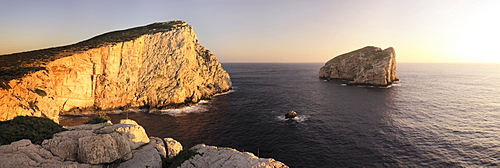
pixel 173 147
pixel 25 154
pixel 128 121
pixel 367 66
pixel 148 155
pixel 212 156
pixel 158 65
pixel 90 146
pixel 134 133
pixel 98 143
pixel 102 148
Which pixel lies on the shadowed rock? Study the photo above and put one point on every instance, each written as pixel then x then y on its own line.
pixel 290 115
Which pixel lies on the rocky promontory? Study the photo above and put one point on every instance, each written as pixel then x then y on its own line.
pixel 160 65
pixel 121 145
pixel 366 66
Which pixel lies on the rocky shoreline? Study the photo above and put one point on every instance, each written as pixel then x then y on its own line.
pixel 120 145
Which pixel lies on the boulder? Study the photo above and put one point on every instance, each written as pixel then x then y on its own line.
pixel 290 115
pixel 103 148
pixel 65 144
pixel 366 66
pixel 148 155
pixel 128 121
pixel 63 147
pixel 25 154
pixel 135 133
pixel 97 143
pixel 173 147
pixel 212 156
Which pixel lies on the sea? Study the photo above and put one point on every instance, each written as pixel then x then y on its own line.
pixel 437 115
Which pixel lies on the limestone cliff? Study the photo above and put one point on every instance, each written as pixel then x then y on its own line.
pixel 159 65
pixel 367 66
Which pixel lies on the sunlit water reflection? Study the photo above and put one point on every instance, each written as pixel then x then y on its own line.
pixel 444 115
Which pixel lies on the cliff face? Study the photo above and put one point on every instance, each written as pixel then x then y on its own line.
pixel 159 65
pixel 368 66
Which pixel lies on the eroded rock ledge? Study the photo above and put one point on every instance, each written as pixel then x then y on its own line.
pixel 159 65
pixel 120 145
pixel 366 66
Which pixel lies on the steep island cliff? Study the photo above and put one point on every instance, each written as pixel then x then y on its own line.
pixel 160 65
pixel 366 66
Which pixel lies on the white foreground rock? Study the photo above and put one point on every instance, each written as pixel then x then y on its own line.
pixel 98 143
pixel 135 133
pixel 128 121
pixel 148 155
pixel 122 145
pixel 25 154
pixel 212 156
pixel 104 148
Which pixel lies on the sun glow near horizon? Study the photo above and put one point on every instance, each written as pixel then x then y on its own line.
pixel 286 31
pixel 474 34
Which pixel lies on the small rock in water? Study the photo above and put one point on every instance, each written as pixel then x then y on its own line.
pixel 290 115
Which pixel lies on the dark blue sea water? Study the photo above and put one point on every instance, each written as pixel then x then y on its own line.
pixel 441 115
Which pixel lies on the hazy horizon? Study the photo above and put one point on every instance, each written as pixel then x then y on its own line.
pixel 281 31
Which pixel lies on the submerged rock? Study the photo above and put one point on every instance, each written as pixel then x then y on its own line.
pixel 290 115
pixel 366 66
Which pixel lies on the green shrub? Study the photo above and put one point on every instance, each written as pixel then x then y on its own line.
pixel 180 158
pixel 35 129
pixel 99 118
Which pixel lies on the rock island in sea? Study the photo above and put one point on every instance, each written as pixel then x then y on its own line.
pixel 366 66
pixel 160 65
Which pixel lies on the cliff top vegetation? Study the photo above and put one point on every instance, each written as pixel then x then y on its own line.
pixel 16 65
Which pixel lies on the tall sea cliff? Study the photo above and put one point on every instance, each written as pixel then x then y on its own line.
pixel 366 66
pixel 159 65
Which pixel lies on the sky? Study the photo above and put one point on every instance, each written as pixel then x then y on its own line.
pixel 272 30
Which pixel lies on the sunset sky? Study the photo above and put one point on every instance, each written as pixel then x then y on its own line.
pixel 273 30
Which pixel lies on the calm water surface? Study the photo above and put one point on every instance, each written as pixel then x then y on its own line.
pixel 443 115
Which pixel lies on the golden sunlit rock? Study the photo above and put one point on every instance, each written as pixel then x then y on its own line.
pixel 158 65
pixel 367 66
